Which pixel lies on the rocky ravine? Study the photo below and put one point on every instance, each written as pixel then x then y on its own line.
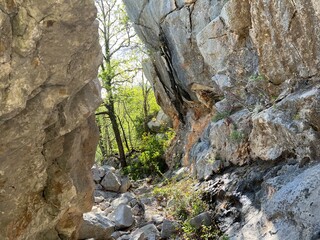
pixel 49 57
pixel 240 80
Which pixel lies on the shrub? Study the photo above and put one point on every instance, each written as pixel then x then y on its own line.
pixel 184 203
pixel 151 159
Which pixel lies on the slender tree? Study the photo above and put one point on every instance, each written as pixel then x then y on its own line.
pixel 117 39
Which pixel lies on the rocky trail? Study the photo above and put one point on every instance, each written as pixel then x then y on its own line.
pixel 262 200
pixel 125 209
pixel 240 81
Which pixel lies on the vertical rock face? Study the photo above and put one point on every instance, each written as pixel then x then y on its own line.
pixel 218 58
pixel 241 81
pixel 49 57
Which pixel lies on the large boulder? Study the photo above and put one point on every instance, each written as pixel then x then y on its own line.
pixel 49 57
pixel 203 219
pixel 123 216
pixel 97 226
pixel 271 201
pixel 111 182
pixel 169 228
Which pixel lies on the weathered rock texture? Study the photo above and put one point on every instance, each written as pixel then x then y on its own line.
pixel 267 201
pixel 218 57
pixel 240 80
pixel 49 56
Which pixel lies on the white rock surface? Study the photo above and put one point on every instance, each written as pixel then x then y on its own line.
pixel 123 216
pixel 96 226
pixel 111 182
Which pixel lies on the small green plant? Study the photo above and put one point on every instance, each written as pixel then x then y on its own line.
pixel 221 115
pixel 297 116
pixel 257 77
pixel 225 237
pixel 210 160
pixel 189 232
pixel 184 202
pixel 209 233
pixel 236 136
pixel 203 233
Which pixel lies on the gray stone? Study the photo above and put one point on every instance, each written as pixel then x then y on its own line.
pixel 201 219
pixel 157 219
pixel 118 234
pixel 139 236
pixel 108 168
pixel 222 141
pixel 149 231
pixel 277 132
pixel 125 184
pixel 123 216
pixel 169 228
pixel 98 187
pixel 223 81
pixel 161 122
pixel 111 182
pixel 97 173
pixel 104 205
pixel 291 198
pixel 96 226
pixel 125 198
pixel 180 173
pixel 98 199
pixel 105 194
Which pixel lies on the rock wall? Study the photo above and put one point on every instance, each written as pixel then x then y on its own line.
pixel 241 69
pixel 240 79
pixel 49 57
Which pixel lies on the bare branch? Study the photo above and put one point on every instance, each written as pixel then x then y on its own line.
pixel 102 113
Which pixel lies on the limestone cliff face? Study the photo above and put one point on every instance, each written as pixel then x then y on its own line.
pixel 49 57
pixel 254 63
pixel 240 79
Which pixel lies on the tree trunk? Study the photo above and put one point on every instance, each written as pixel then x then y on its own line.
pixel 145 93
pixel 109 142
pixel 124 135
pixel 115 128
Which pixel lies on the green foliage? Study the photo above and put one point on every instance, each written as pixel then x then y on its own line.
pixel 189 232
pixel 151 160
pixel 236 136
pixel 257 77
pixel 184 202
pixel 221 115
pixel 129 110
pixel 203 233
pixel 224 237
pixel 209 233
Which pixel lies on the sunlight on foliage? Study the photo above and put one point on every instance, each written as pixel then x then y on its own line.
pixel 150 161
pixel 184 202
